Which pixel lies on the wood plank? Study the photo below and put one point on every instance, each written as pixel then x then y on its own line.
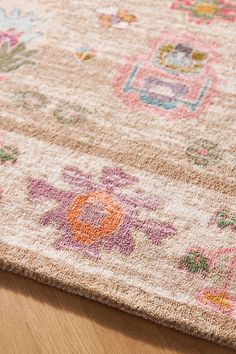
pixel 39 319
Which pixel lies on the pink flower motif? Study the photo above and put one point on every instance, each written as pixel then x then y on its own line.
pixel 2 78
pixel 206 11
pixel 203 152
pixel 11 37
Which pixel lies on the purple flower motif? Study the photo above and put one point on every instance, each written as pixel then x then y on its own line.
pixel 95 216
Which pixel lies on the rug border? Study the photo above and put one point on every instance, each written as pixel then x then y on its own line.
pixel 137 161
pixel 185 318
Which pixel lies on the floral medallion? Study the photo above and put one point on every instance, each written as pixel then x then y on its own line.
pixel 204 152
pixel 30 100
pixel 175 78
pixel 70 114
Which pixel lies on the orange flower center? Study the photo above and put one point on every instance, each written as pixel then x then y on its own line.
pixel 85 231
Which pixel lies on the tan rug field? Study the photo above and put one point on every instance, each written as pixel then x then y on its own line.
pixel 118 155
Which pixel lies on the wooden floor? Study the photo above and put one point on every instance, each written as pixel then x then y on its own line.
pixel 35 318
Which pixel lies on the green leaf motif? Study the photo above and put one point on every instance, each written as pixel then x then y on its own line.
pixel 11 58
pixel 195 262
pixel 8 153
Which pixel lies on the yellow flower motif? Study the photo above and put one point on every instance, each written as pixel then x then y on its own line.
pixel 105 21
pixel 85 53
pixel 220 299
pixel 206 9
pixel 125 16
pixel 112 16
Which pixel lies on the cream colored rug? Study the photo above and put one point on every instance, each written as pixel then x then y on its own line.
pixel 118 155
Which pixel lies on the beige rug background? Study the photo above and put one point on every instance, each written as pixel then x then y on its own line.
pixel 73 126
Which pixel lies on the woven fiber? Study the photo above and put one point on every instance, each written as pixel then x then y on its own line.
pixel 118 155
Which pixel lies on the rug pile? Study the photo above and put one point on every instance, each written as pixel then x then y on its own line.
pixel 118 155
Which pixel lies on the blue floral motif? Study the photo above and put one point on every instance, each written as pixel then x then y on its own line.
pixel 21 23
pixel 16 30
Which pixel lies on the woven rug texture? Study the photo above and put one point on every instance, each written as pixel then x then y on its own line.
pixel 118 155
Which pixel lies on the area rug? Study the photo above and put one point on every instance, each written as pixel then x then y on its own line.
pixel 118 155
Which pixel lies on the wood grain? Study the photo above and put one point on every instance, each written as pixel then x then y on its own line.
pixel 39 319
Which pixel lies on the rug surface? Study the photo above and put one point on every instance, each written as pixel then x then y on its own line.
pixel 118 155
